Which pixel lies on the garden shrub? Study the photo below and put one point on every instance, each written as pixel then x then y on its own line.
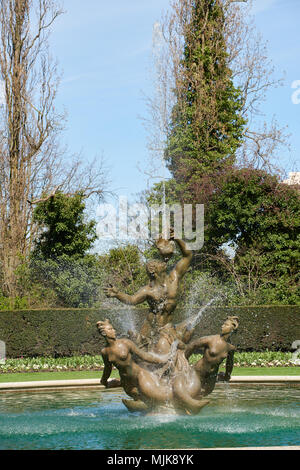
pixel 69 332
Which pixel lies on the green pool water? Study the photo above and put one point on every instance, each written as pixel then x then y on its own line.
pixel 244 416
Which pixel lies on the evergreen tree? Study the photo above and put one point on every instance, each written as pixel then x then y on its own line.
pixel 206 125
pixel 64 229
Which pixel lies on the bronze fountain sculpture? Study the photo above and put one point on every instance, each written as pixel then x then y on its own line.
pixel 153 365
pixel 161 291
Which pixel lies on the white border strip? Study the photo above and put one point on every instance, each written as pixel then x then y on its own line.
pixel 238 379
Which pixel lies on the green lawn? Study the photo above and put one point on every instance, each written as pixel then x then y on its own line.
pixel 72 375
pixel 266 371
pixel 69 375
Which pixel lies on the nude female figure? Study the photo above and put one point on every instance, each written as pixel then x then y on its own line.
pixel 161 291
pixel 140 384
pixel 190 387
pixel 186 388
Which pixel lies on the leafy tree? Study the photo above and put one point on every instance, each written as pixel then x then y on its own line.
pixel 60 263
pixel 124 268
pixel 64 230
pixel 252 237
pixel 75 281
pixel 260 218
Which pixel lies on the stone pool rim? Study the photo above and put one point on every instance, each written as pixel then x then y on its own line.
pixel 95 383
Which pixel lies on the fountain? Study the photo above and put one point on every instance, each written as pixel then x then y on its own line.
pixel 159 381
pixel 153 365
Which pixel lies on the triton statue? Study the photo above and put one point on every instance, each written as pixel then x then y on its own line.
pixel 161 291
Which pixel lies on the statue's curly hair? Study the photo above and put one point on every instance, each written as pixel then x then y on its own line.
pixel 102 324
pixel 234 320
pixel 158 265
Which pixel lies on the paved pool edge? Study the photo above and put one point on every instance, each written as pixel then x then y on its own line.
pixel 95 383
pixel 265 379
pixel 51 384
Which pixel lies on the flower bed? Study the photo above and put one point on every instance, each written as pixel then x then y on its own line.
pixel 260 359
pixel 48 364
pixel 39 364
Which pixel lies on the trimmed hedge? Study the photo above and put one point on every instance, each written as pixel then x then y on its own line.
pixel 69 332
pixel 260 327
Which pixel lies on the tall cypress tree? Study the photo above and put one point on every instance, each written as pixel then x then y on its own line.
pixel 206 126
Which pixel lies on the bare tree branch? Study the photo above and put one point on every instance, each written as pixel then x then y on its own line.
pixel 33 164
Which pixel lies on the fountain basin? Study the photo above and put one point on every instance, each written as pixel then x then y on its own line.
pixel 237 416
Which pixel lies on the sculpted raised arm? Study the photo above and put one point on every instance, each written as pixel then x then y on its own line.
pixel 138 298
pixel 107 370
pixel 148 357
pixel 183 265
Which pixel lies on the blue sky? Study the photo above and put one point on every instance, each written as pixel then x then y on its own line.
pixel 103 49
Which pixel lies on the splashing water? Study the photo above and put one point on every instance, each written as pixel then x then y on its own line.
pixel 195 320
pixel 203 289
pixel 199 295
pixel 125 318
pixel 172 353
pixel 161 115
